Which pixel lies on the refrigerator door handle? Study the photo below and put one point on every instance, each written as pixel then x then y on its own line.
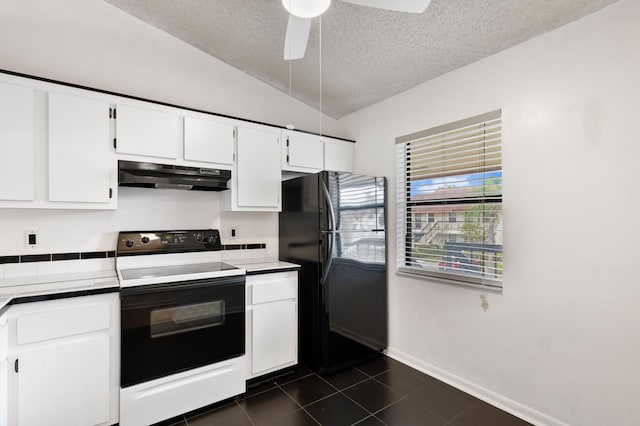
pixel 332 231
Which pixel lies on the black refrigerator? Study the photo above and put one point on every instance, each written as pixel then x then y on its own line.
pixel 334 225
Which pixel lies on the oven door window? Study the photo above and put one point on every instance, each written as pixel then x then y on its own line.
pixel 170 328
pixel 183 319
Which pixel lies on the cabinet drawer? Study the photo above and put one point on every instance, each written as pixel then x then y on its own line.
pixel 45 325
pixel 272 287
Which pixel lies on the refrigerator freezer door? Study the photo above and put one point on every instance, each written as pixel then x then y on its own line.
pixel 358 202
pixel 299 220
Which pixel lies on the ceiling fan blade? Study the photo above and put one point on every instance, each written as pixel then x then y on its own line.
pixel 410 6
pixel 295 42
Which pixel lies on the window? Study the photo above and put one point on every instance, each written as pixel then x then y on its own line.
pixel 452 173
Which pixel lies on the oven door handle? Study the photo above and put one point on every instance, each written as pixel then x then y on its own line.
pixel 181 285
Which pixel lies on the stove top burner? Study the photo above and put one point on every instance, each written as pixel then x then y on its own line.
pixel 162 257
pixel 172 270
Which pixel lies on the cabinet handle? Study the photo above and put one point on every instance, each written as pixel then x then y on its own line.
pixel 114 144
pixel 15 365
pixel 110 193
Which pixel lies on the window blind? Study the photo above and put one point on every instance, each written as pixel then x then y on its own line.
pixel 449 201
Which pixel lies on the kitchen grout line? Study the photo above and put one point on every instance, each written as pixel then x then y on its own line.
pixel 285 392
pixel 356 383
pixel 448 422
pixel 244 412
pixel 362 420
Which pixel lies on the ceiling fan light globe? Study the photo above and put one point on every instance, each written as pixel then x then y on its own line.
pixel 306 8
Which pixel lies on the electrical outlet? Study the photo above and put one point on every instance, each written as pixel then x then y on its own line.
pixel 233 232
pixel 30 238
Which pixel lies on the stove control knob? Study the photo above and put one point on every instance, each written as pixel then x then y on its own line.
pixel 198 237
pixel 145 240
pixel 210 239
pixel 128 243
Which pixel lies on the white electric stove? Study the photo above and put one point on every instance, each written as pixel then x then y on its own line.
pixel 182 324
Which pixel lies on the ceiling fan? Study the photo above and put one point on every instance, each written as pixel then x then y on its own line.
pixel 302 11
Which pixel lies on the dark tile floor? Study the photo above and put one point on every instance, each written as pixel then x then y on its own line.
pixel 379 392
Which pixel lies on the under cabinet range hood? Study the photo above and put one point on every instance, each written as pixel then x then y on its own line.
pixel 164 176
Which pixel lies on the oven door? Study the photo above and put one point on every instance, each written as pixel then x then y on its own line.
pixel 169 328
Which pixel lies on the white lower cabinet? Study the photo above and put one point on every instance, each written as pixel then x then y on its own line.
pixel 3 394
pixel 272 322
pixel 67 381
pixel 4 343
pixel 63 367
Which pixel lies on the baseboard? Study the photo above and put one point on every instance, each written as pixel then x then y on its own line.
pixel 510 406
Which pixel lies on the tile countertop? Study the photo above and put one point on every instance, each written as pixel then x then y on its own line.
pixel 261 266
pixel 43 285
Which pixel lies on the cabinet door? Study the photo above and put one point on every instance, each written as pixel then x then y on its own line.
pixel 147 132
pixel 274 337
pixel 4 382
pixel 81 157
pixel 4 396
pixel 208 140
pixel 17 142
pixel 64 383
pixel 258 177
pixel 302 152
pixel 338 155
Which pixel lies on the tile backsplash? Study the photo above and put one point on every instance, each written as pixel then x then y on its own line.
pixel 34 265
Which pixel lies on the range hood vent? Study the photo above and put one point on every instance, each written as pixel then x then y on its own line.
pixel 164 176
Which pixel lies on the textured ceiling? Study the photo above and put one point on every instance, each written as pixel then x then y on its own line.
pixel 367 54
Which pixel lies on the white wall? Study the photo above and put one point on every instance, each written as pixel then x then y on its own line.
pixel 61 231
pixel 92 43
pixel 560 343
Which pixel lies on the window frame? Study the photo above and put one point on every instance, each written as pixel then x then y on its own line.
pixel 405 243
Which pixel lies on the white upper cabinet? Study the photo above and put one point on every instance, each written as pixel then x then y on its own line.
pixel 82 161
pixel 302 152
pixel 56 147
pixel 17 142
pixel 209 140
pixel 147 131
pixel 255 180
pixel 338 155
pixel 307 153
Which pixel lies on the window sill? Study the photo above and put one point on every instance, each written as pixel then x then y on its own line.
pixel 479 283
